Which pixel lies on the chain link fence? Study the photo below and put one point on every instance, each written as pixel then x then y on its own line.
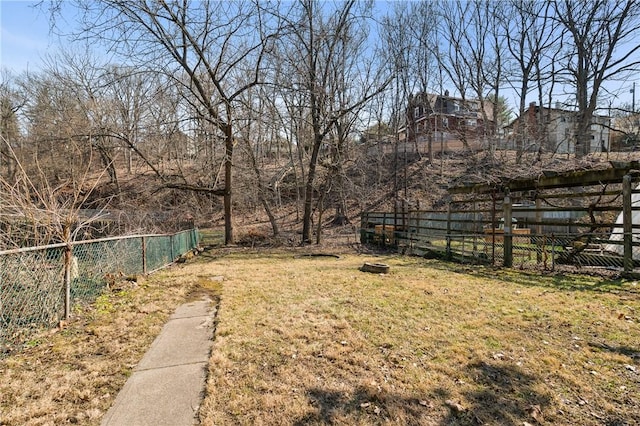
pixel 39 285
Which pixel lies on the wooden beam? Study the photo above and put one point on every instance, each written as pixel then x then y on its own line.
pixel 551 179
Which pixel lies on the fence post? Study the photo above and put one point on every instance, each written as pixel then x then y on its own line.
pixel 508 236
pixel 627 224
pixel 539 239
pixel 144 255
pixel 493 228
pixel 67 281
pixel 409 231
pixel 449 231
pixel 476 231
pixel 383 237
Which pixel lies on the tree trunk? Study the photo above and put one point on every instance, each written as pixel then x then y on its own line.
pixel 228 164
pixel 308 193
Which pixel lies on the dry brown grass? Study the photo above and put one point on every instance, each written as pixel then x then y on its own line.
pixel 315 341
pixel 72 375
pixel 312 340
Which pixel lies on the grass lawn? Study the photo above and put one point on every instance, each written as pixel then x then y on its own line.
pixel 316 341
pixel 312 340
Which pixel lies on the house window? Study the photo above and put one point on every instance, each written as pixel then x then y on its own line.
pixel 416 112
pixel 418 128
pixel 472 122
pixel 445 122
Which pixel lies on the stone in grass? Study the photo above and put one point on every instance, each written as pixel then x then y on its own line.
pixel 375 268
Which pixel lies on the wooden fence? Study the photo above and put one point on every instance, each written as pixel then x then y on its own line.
pixel 585 219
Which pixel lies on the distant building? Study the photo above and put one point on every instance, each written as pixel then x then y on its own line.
pixel 554 130
pixel 452 121
pixel 625 135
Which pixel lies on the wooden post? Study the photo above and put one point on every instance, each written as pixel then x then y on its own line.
pixel 449 230
pixel 409 235
pixel 383 237
pixel 539 239
pixel 508 235
pixel 67 281
pixel 493 228
pixel 627 224
pixel 144 255
pixel 476 231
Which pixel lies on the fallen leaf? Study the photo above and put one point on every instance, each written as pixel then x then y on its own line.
pixel 454 406
pixel 536 413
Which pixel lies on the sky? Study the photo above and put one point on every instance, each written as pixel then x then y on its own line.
pixel 26 38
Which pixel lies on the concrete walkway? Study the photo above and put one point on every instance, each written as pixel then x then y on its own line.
pixel 166 387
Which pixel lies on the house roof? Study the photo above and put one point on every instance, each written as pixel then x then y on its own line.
pixel 430 99
pixel 561 111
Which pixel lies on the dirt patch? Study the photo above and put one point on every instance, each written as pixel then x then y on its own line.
pixel 209 287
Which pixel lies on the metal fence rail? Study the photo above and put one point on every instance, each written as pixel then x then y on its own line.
pixel 39 285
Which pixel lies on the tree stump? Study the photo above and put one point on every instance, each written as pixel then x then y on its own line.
pixel 375 268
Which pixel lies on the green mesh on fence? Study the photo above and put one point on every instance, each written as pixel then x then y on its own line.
pixel 184 241
pixel 159 252
pixel 91 262
pixel 32 285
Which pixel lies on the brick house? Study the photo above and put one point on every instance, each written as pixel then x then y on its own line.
pixel 449 120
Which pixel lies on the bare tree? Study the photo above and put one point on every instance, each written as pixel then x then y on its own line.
pixel 453 58
pixel 9 127
pixel 474 57
pixel 423 66
pixel 57 128
pixel 398 47
pixel 530 35
pixel 321 38
pixel 254 126
pixel 35 211
pixel 212 50
pixel 600 45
